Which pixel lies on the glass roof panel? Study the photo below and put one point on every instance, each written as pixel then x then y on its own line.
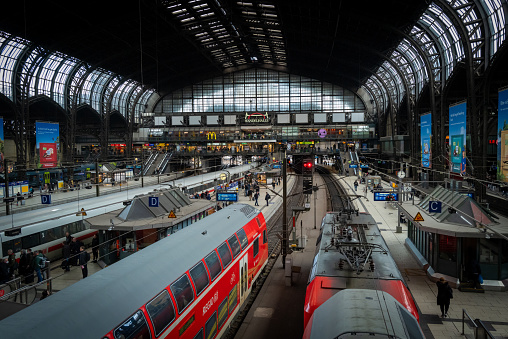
pixel 11 49
pixel 61 77
pixel 48 70
pixel 497 23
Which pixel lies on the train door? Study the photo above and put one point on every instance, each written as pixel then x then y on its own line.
pixel 244 274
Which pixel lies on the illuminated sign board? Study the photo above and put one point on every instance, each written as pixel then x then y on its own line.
pixel 256 117
pixel 381 196
pixel 227 196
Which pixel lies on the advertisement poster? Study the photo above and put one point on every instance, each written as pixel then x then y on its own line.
pixel 426 139
pixel 502 136
pixel 457 138
pixel 1 144
pixel 47 143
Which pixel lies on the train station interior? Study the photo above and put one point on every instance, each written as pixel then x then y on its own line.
pixel 350 133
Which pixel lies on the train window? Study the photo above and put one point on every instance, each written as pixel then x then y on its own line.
pixel 134 327
pixel 225 254
pixel 199 277
pixel 213 263
pixel 223 312
pixel 31 240
pixel 211 326
pixel 235 245
pixel 161 312
pixel 255 248
pixel 182 290
pixel 199 335
pixel 14 245
pixel 264 237
pixel 232 299
pixel 259 222
pixel 243 238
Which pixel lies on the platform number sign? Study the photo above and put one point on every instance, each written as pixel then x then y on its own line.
pixel 45 199
pixel 435 206
pixel 153 202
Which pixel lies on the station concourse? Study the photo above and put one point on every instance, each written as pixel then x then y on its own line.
pixel 404 103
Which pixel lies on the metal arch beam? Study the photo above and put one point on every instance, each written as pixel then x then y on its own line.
pixel 472 93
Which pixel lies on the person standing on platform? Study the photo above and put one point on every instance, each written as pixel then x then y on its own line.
pixel 84 256
pixel 256 197
pixel 267 198
pixel 95 247
pixel 356 185
pixel 75 245
pixel 23 263
pixel 273 184
pixel 29 270
pixel 444 294
pixel 66 252
pixel 37 265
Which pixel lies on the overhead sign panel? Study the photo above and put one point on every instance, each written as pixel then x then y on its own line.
pixel 227 196
pixel 381 196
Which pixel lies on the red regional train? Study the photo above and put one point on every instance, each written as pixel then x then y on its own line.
pixel 351 254
pixel 188 285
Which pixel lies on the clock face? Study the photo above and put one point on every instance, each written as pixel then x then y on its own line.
pixel 322 133
pixel 223 176
pixel 401 174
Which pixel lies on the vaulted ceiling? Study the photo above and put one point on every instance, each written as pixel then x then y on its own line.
pixel 169 44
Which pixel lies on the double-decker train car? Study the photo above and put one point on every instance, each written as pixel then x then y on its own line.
pixel 190 284
pixel 352 254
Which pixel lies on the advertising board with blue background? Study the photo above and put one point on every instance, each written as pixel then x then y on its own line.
pixel 47 137
pixel 457 137
pixel 426 139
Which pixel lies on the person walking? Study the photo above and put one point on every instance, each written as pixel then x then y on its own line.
pixel 273 184
pixel 267 198
pixel 84 256
pixel 444 294
pixel 95 247
pixel 356 185
pixel 256 197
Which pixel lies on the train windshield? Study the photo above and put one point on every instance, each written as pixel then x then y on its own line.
pixel 134 327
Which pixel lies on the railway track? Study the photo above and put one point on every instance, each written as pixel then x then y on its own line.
pixel 337 198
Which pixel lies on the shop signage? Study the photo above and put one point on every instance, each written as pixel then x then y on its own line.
pixel 211 135
pixel 256 117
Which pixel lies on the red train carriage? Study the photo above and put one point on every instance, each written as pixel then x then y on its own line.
pixel 352 254
pixel 188 285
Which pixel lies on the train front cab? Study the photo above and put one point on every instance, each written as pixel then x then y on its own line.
pixel 207 296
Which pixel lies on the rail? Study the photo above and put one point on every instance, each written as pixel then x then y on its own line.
pixel 480 331
pixel 27 294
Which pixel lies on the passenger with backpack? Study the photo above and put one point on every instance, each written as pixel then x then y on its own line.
pixel 39 264
pixel 84 257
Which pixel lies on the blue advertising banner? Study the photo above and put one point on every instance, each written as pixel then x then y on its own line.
pixel 426 139
pixel 1 145
pixel 502 136
pixel 457 137
pixel 47 136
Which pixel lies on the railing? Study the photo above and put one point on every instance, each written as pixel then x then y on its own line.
pixel 480 331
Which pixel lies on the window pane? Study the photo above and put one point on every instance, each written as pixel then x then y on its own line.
pixel 199 277
pixel 182 290
pixel 161 312
pixel 235 246
pixel 31 240
pixel 256 247
pixel 212 261
pixel 199 335
pixel 211 326
pixel 243 238
pixel 225 254
pixel 232 300
pixel 223 312
pixel 134 327
pixel 264 237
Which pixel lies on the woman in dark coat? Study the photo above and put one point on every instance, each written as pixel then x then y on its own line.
pixel 444 294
